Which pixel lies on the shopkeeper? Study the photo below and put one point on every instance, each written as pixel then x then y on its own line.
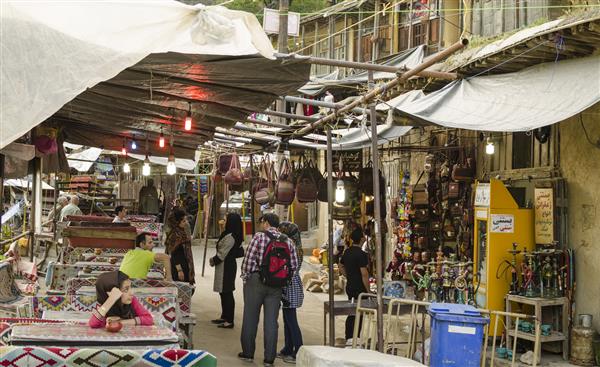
pixel 354 266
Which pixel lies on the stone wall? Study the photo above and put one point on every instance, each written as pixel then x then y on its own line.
pixel 580 165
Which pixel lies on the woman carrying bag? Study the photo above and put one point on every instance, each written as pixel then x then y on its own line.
pixel 229 247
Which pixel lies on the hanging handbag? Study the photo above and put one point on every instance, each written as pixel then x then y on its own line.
pixel 421 215
pixel 306 188
pixel 420 196
pixel 223 163
pixel 264 190
pixel 365 179
pixel 322 189
pixel 449 232
pixel 234 174
pixel 463 172
pixel 284 188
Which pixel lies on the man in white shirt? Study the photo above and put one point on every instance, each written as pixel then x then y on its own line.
pixel 71 209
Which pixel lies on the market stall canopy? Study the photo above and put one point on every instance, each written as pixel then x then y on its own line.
pixel 534 97
pixel 82 161
pixel 25 184
pixel 407 59
pixel 104 71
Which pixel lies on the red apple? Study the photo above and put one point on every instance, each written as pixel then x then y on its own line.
pixel 113 326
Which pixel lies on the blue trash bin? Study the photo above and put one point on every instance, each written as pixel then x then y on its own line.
pixel 456 335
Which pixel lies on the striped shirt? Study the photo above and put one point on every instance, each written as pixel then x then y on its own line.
pixel 256 251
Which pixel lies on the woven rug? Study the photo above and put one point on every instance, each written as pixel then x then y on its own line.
pixel 91 357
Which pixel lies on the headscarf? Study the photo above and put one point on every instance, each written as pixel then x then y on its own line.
pixel 233 226
pixel 177 236
pixel 104 284
pixel 292 231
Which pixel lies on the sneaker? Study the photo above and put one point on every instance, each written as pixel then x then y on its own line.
pixel 289 359
pixel 225 325
pixel 268 364
pixel 217 321
pixel 245 358
pixel 280 355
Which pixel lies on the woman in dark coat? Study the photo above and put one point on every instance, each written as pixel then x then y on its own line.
pixel 179 246
pixel 229 247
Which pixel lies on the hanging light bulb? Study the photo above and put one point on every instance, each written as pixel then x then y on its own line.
pixel 123 149
pixel 188 119
pixel 340 192
pixel 171 168
pixel 489 147
pixel 146 167
pixel 126 168
pixel 133 144
pixel 161 139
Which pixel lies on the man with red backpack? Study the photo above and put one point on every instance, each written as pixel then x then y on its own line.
pixel 268 266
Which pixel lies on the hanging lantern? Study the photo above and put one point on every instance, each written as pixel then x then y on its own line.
pixel 133 144
pixel 171 168
pixel 146 167
pixel 188 119
pixel 161 139
pixel 340 192
pixel 126 168
pixel 489 147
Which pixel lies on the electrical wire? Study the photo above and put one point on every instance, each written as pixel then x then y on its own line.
pixel 587 136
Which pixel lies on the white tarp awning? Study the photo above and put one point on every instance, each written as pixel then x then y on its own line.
pixel 531 98
pixel 358 137
pixel 87 158
pixel 25 184
pixel 185 164
pixel 53 51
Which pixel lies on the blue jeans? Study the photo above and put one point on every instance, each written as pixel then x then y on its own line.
pixel 293 335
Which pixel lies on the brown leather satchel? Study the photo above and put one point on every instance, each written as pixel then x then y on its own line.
pixel 463 172
pixel 306 188
pixel 234 174
pixel 284 189
pixel 420 196
pixel 224 163
pixel 453 190
pixel 264 193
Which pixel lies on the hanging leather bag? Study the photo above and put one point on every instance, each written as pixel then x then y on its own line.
pixel 306 188
pixel 284 189
pixel 463 172
pixel 224 162
pixel 234 175
pixel 264 193
pixel 420 196
pixel 365 179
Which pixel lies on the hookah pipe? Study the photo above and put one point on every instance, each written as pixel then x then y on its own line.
pixel 512 265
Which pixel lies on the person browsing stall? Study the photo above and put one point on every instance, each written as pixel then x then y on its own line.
pixel 179 247
pixel 353 265
pixel 259 291
pixel 137 262
pixel 121 213
pixel 116 300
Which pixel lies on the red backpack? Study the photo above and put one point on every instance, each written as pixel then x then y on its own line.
pixel 275 270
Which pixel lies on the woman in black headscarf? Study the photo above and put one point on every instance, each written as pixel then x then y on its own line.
pixel 116 300
pixel 179 246
pixel 229 247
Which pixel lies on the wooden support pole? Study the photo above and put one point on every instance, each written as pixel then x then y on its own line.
pixel 367 66
pixel 330 194
pixel 377 215
pixel 208 210
pixel 387 86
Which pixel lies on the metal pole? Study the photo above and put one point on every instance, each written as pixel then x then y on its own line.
pixel 377 215
pixel 267 123
pixel 375 39
pixel 330 236
pixel 252 207
pixel 312 102
pixel 289 115
pixel 208 209
pixel 54 218
pixel 387 86
pixel 282 43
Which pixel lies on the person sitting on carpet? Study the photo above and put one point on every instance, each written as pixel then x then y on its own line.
pixel 115 299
